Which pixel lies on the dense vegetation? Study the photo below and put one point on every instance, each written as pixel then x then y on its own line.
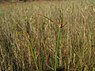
pixel 25 0
pixel 38 36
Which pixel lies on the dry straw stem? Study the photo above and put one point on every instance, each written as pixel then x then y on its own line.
pixel 60 25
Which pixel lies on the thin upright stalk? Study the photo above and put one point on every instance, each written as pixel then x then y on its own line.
pixel 56 49
pixel 34 57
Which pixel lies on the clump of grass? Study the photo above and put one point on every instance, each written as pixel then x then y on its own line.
pixel 40 44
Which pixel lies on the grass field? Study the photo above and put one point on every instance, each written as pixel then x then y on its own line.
pixel 37 36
